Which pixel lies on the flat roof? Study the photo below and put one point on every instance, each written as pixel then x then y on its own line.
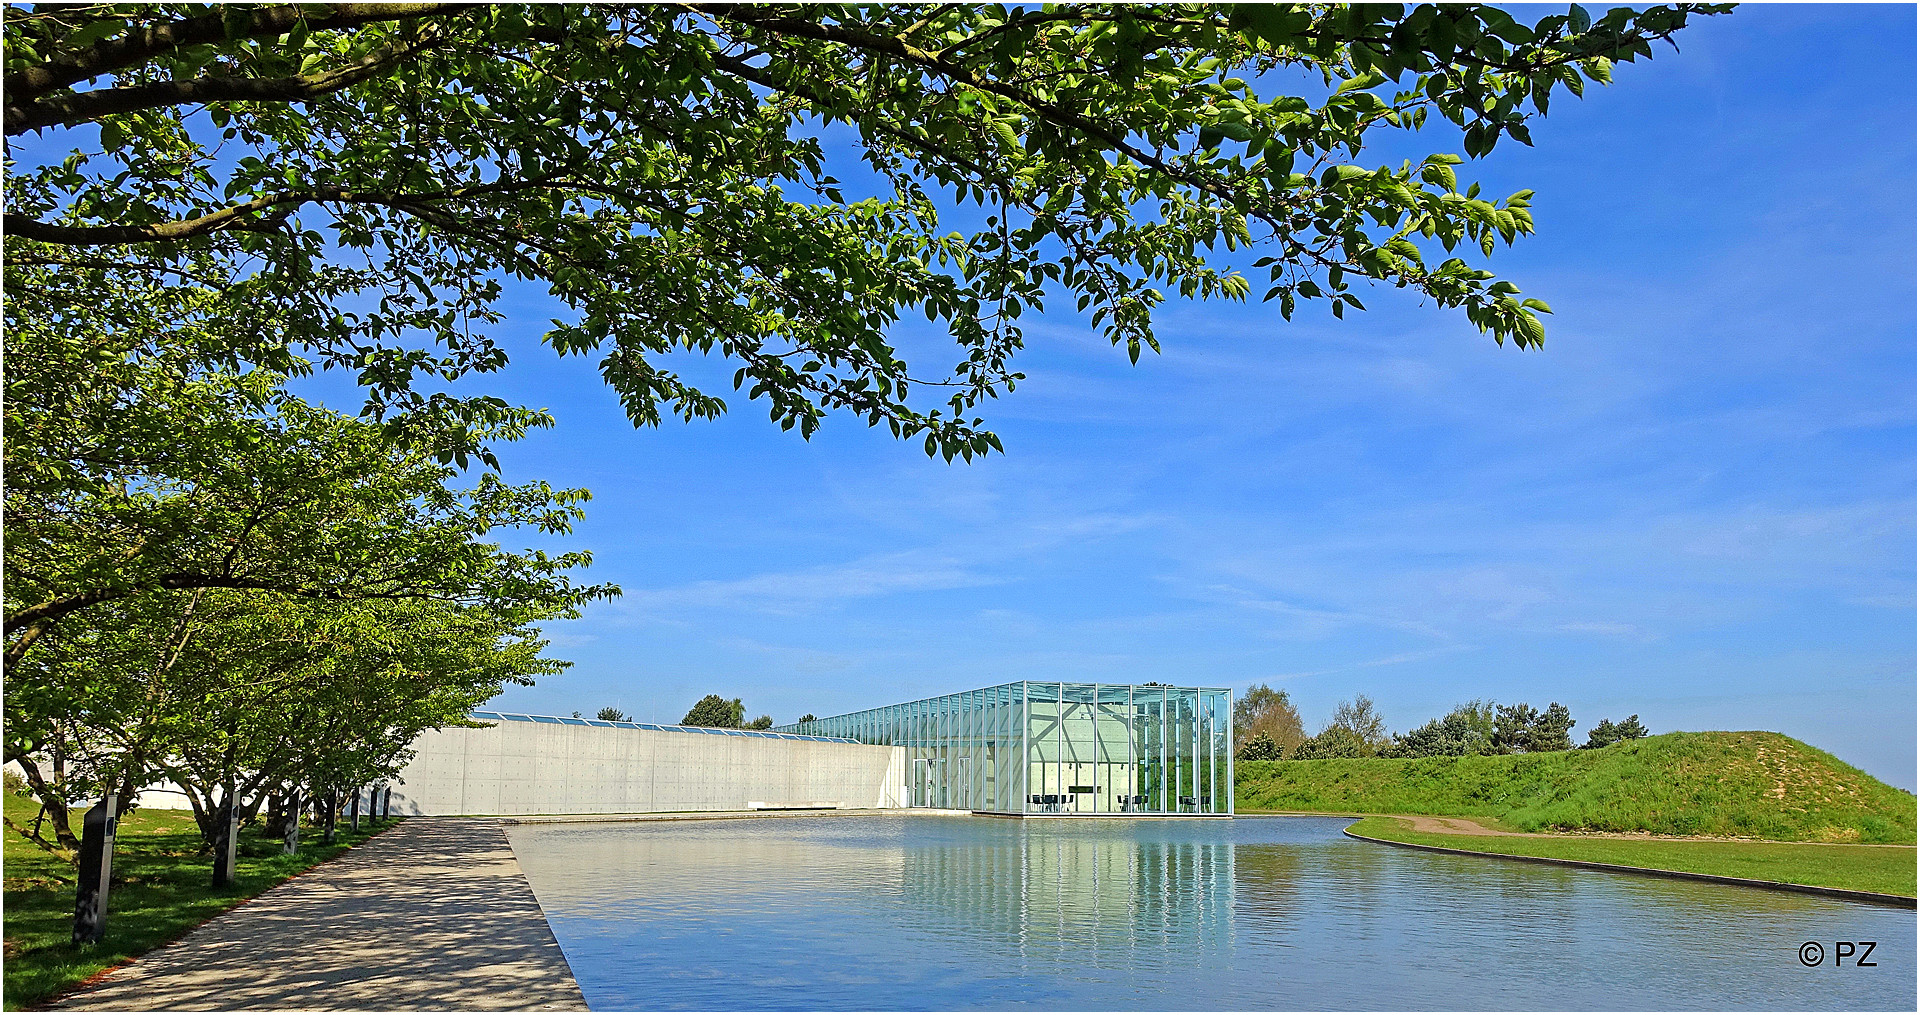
pixel 1015 684
pixel 563 720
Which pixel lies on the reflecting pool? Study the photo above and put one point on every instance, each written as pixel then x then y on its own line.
pixel 922 912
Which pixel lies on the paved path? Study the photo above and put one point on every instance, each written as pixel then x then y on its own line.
pixel 433 914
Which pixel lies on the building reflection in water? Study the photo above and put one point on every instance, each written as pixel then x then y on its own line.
pixel 1096 897
pixel 948 913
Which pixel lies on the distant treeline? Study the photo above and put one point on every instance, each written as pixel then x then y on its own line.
pixel 1267 727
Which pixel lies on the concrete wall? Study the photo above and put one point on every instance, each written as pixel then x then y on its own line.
pixel 545 768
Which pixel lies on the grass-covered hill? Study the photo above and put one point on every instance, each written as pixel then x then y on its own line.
pixel 1759 785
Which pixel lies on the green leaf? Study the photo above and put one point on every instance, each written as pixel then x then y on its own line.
pixel 1367 80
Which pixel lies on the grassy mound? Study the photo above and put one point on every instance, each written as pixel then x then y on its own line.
pixel 1754 785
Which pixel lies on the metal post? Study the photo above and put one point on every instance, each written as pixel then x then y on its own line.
pixel 1231 786
pixel 1026 759
pixel 1163 751
pixel 96 871
pixel 1195 751
pixel 1059 739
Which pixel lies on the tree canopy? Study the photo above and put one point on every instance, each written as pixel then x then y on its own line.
pixel 715 712
pixel 1263 711
pixel 210 581
pixel 213 480
pixel 358 182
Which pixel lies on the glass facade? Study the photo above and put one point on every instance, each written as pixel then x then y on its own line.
pixel 1042 748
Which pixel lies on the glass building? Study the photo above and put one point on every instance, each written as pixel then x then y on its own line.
pixel 1039 748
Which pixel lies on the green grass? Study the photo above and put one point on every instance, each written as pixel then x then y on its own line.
pixel 159 893
pixel 1885 869
pixel 1746 785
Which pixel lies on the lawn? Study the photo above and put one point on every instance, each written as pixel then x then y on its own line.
pixel 160 891
pixel 1886 869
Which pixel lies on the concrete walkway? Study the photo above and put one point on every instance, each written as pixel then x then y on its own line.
pixel 433 914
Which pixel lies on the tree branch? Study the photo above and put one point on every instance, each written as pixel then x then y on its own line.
pixel 241 216
pixel 67 110
pixel 141 45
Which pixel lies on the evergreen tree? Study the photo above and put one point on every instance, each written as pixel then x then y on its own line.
pixel 1259 747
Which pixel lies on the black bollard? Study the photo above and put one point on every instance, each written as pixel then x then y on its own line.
pixel 226 842
pixel 96 871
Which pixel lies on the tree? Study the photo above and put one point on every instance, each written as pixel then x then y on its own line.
pixel 261 492
pixel 1551 732
pixel 1260 747
pixel 1263 710
pixel 355 181
pixel 764 722
pixel 1363 719
pixel 145 551
pixel 611 714
pixel 715 712
pixel 239 696
pixel 1334 742
pixel 1512 726
pixel 1468 729
pixel 809 717
pixel 1522 728
pixel 1606 732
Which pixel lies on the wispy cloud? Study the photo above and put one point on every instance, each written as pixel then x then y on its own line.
pixel 1396 659
pixel 808 589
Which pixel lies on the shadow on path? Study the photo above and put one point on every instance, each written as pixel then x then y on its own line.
pixel 433 914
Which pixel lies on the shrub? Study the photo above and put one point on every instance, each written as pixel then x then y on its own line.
pixel 1259 747
pixel 1334 742
pixel 1468 729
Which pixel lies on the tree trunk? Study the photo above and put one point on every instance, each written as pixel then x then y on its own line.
pixel 50 799
pixel 353 809
pixel 332 805
pixel 276 824
pixel 224 847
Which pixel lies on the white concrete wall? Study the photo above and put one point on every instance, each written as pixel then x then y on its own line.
pixel 545 768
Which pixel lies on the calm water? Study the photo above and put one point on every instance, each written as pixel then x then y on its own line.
pixel 957 913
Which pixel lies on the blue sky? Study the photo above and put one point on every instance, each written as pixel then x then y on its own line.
pixel 1697 504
